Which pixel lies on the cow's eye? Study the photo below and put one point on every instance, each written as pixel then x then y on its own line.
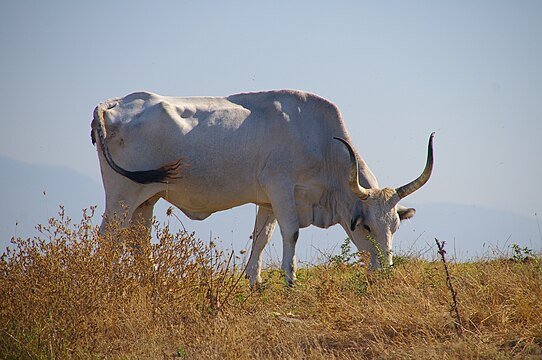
pixel 366 227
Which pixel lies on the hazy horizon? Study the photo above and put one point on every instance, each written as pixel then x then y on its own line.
pixel 471 235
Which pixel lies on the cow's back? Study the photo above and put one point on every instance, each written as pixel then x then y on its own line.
pixel 211 128
pixel 219 137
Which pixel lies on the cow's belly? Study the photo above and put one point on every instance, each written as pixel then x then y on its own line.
pixel 198 202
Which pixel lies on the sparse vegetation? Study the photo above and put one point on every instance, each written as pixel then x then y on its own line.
pixel 72 293
pixel 524 254
pixel 346 255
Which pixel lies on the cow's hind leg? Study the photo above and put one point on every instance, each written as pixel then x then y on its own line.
pixel 142 218
pixel 117 215
pixel 263 230
pixel 124 209
pixel 144 212
pixel 126 202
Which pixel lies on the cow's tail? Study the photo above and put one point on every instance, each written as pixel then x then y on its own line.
pixel 98 135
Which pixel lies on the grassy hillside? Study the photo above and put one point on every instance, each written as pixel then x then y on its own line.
pixel 74 294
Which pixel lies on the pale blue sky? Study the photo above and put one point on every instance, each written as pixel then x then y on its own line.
pixel 469 70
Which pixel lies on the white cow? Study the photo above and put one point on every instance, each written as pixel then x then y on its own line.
pixel 275 149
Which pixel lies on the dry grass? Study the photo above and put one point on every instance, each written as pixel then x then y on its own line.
pixel 75 294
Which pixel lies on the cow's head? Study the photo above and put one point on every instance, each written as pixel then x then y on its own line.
pixel 377 213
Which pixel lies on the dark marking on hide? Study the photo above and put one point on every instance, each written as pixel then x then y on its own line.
pixel 357 215
pixel 92 133
pixel 354 223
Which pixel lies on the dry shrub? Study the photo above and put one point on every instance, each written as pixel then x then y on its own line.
pixel 73 293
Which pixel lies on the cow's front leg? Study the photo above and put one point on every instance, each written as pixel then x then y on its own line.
pixel 282 199
pixel 263 230
pixel 289 240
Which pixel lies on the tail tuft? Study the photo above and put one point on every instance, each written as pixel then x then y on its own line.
pixel 161 175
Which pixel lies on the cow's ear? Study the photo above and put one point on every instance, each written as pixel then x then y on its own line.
pixel 357 216
pixel 405 213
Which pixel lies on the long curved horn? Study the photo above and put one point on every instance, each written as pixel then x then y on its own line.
pixel 409 188
pixel 353 178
